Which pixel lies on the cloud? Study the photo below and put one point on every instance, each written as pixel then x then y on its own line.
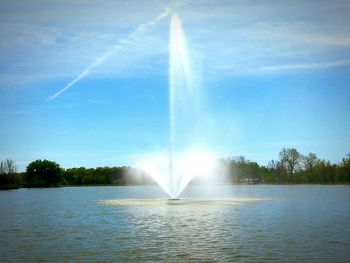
pixel 224 37
pixel 20 33
pixel 307 66
pixel 238 38
pixel 60 38
pixel 248 47
pixel 130 38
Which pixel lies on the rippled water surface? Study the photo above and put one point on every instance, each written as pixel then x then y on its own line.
pixel 243 223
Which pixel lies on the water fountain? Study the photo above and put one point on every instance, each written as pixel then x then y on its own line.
pixel 186 158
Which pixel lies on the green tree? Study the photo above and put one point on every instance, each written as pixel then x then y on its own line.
pixel 343 171
pixel 290 159
pixel 243 171
pixel 43 173
pixel 275 172
pixel 324 172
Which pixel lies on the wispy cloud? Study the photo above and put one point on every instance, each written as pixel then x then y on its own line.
pixel 229 38
pixel 19 33
pixel 307 66
pixel 240 39
pixel 131 37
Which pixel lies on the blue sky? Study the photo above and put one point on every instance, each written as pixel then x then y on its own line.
pixel 274 73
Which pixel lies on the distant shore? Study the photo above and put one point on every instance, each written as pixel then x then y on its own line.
pixel 99 185
pixel 292 168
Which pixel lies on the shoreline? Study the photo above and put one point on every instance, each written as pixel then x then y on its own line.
pixel 111 185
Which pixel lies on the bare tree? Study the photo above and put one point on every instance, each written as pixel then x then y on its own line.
pixel 310 161
pixel 8 176
pixel 7 167
pixel 272 165
pixel 290 159
pixel 240 159
pixel 277 168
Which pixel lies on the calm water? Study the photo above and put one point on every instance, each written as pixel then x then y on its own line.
pixel 296 224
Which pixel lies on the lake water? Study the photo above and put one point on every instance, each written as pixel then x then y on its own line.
pixel 88 224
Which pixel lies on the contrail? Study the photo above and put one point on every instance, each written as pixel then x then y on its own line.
pixel 118 46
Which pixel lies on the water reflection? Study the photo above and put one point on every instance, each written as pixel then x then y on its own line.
pixel 190 202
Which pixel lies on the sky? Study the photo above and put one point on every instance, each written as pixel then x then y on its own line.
pixel 274 74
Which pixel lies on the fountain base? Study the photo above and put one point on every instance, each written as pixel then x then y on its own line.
pixel 182 201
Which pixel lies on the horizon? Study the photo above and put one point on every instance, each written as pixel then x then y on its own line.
pixel 273 76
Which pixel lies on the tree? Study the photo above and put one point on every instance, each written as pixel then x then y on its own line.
pixel 240 159
pixel 7 167
pixel 343 171
pixel 309 161
pixel 8 176
pixel 43 173
pixel 290 158
pixel 276 170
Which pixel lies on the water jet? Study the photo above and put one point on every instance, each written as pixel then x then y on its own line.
pixel 185 159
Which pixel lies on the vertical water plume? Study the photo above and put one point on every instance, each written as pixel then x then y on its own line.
pixel 180 83
pixel 186 159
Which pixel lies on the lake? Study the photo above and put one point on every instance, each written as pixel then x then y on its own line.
pixel 296 223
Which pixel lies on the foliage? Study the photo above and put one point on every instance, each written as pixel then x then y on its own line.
pixel 290 159
pixel 43 173
pixel 243 170
pixel 292 167
pixel 8 176
pixel 104 176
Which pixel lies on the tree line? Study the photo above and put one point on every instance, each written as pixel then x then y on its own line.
pixel 46 173
pixel 291 167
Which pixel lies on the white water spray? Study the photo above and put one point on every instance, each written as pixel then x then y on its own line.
pixel 180 83
pixel 118 47
pixel 185 160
